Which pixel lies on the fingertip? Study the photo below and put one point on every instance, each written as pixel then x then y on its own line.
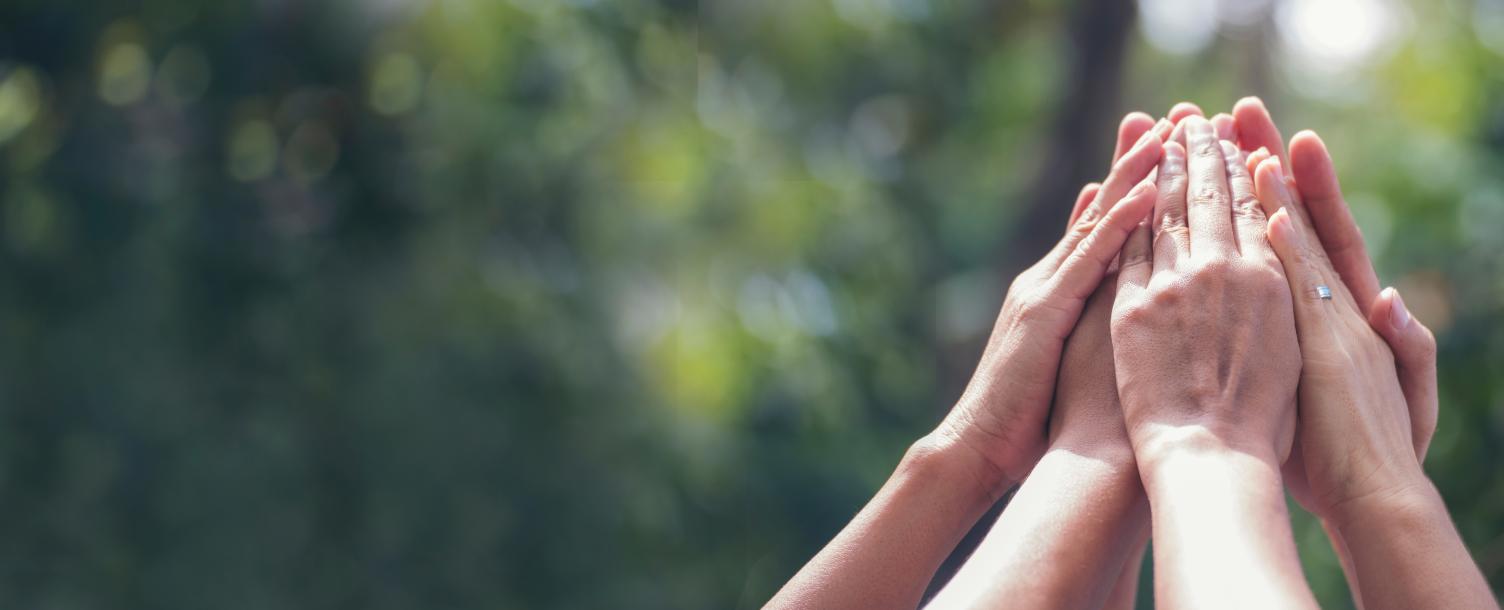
pixel 1249 103
pixel 1136 118
pixel 1281 232
pixel 1255 158
pixel 1272 169
pixel 1174 151
pixel 1381 312
pixel 1182 110
pixel 1225 126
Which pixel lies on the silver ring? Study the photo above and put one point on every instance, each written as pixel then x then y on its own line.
pixel 1323 292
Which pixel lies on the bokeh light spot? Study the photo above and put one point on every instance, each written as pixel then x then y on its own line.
pixel 20 97
pixel 124 74
pixel 252 151
pixel 1179 27
pixel 396 84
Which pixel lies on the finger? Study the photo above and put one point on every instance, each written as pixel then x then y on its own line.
pixel 1180 111
pixel 1137 261
pixel 1275 192
pixel 1256 128
pixel 1128 171
pixel 1226 129
pixel 1255 158
pixel 1414 350
pixel 1312 313
pixel 1178 114
pixel 1172 240
pixel 1088 193
pixel 1316 180
pixel 1082 271
pixel 1162 130
pixel 1208 202
pixel 1129 131
pixel 1248 220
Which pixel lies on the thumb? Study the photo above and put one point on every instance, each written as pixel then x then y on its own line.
pixel 1414 350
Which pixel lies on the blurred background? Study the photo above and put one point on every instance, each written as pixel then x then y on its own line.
pixel 616 303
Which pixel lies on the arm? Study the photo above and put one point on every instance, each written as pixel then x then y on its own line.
pixel 1197 308
pixel 1062 541
pixel 1358 442
pixel 1221 534
pixel 996 432
pixel 885 556
pixel 1065 537
pixel 1406 553
pixel 1318 195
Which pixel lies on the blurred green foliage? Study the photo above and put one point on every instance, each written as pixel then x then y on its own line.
pixel 614 303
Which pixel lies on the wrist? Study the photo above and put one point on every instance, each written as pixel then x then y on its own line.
pixel 1154 449
pixel 1111 451
pixel 941 455
pixel 1172 453
pixel 1412 499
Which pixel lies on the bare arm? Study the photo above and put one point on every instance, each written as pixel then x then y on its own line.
pixel 996 432
pixel 1066 535
pixel 1207 364
pixel 1221 533
pixel 1358 443
pixel 885 556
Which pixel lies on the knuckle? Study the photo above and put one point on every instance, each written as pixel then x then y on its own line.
pixel 1246 206
pixel 1206 147
pixel 1133 315
pixel 1215 268
pixel 1210 195
pixel 1165 298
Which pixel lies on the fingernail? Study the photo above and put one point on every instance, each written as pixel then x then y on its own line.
pixel 1279 223
pixel 1279 169
pixel 1398 315
pixel 1263 150
pixel 1161 127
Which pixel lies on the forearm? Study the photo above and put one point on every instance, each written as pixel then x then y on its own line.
pixel 1406 553
pixel 886 556
pixel 1220 529
pixel 1062 541
pixel 1124 595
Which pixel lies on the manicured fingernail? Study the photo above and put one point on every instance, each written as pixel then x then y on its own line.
pixel 1398 315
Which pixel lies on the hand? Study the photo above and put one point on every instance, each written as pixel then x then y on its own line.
pixel 1086 417
pixel 1356 436
pixel 1002 414
pixel 1077 526
pixel 1203 332
pixel 1317 196
pixel 1206 357
pixel 1364 425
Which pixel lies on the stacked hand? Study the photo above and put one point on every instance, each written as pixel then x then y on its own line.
pixel 1208 332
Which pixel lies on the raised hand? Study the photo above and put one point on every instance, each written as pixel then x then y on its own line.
pixel 1359 447
pixel 1207 362
pixel 1317 196
pixel 996 432
pixel 1077 526
pixel 1002 413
